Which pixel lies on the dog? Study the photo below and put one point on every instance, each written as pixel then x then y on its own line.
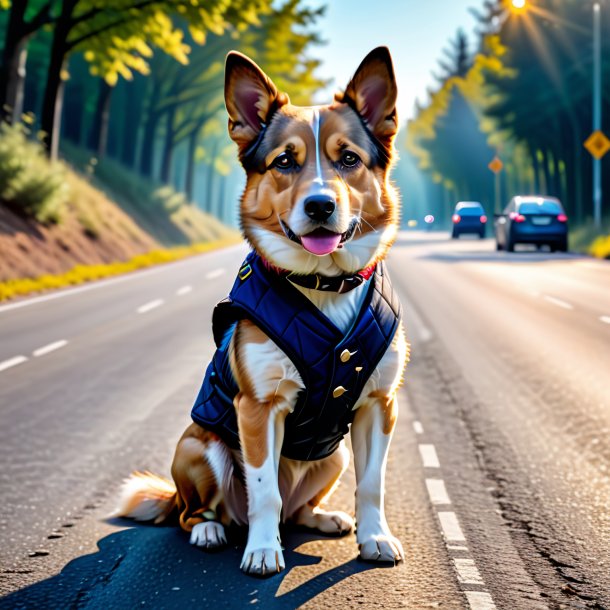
pixel 310 342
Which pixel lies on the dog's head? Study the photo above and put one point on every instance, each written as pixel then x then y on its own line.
pixel 318 198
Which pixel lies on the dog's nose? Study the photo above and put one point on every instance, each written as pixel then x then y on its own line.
pixel 319 207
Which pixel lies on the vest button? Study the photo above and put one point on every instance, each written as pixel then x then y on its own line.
pixel 358 369
pixel 346 355
pixel 339 391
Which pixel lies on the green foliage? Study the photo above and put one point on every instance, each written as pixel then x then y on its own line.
pixel 29 182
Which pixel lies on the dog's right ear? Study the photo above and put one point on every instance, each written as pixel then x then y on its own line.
pixel 251 98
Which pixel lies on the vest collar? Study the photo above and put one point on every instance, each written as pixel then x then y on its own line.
pixel 338 283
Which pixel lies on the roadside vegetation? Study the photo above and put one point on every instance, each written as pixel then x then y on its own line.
pixel 522 92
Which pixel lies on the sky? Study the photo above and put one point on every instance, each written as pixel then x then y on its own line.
pixel 415 31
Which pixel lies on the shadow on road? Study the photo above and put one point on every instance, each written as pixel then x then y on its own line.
pixel 156 567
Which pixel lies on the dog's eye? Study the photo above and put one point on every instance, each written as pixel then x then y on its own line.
pixel 284 161
pixel 349 159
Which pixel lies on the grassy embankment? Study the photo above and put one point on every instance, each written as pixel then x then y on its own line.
pixel 63 225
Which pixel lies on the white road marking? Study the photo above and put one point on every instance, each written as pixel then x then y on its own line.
pixel 558 302
pixel 51 347
pixel 605 319
pixel 451 527
pixel 479 600
pixel 428 456
pixel 419 429
pixel 468 573
pixel 7 364
pixel 184 290
pixel 437 491
pixel 151 305
pixel 214 274
pixel 457 548
pixel 422 330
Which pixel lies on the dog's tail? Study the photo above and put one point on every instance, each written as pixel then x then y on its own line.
pixel 147 497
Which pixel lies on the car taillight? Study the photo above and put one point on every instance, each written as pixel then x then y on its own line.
pixel 562 218
pixel 517 217
pixel 483 219
pixel 456 218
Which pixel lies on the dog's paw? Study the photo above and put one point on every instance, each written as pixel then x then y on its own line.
pixel 208 535
pixel 382 548
pixel 263 562
pixel 332 522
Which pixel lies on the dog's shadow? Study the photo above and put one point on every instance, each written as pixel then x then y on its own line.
pixel 156 567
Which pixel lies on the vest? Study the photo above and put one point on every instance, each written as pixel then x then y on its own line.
pixel 334 366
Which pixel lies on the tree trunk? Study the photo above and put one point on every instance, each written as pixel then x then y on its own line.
pixel 147 149
pixel 133 121
pixel 98 137
pixel 12 64
pixel 168 148
pixel 189 180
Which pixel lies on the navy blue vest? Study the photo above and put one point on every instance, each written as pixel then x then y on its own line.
pixel 318 349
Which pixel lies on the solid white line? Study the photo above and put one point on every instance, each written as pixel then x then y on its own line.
pixel 468 573
pixel 428 456
pixel 419 429
pixel 184 290
pixel 479 600
pixel 437 491
pixel 457 548
pixel 41 351
pixel 148 306
pixel 605 319
pixel 558 302
pixel 214 274
pixel 451 527
pixel 7 364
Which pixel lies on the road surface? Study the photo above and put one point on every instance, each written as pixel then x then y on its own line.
pixel 497 483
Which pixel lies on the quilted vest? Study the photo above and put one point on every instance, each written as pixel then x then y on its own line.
pixel 334 366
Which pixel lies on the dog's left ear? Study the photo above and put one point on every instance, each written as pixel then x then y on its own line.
pixel 372 93
pixel 251 98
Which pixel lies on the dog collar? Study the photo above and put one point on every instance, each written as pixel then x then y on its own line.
pixel 337 283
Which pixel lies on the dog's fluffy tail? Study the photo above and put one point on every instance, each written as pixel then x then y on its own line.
pixel 147 497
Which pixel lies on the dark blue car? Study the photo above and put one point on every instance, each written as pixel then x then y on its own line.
pixel 468 217
pixel 532 220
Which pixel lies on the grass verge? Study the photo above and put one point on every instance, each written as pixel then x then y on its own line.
pixel 87 273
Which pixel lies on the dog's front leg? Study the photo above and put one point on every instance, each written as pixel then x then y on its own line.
pixel 261 427
pixel 371 435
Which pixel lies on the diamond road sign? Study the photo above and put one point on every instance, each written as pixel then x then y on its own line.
pixel 597 144
pixel 496 165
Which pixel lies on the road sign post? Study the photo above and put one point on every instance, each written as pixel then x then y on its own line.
pixel 496 165
pixel 597 113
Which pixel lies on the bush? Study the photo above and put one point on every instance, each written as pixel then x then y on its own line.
pixel 29 182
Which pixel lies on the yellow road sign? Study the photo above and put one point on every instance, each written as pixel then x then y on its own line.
pixel 597 144
pixel 496 165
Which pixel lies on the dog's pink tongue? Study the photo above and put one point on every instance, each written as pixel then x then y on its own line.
pixel 321 243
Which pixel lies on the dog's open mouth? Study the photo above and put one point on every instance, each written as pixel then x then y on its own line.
pixel 321 241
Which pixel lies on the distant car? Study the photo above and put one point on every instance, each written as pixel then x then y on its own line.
pixel 533 220
pixel 468 217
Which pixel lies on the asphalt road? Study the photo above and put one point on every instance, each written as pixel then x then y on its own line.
pixel 498 482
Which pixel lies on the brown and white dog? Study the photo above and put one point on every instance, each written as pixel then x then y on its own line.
pixel 338 157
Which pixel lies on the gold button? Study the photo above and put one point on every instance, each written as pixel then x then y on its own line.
pixel 339 391
pixel 346 355
pixel 358 369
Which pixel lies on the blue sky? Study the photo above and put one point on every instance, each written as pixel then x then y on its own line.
pixel 416 31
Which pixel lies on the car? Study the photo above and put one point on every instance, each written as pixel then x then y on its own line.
pixel 532 219
pixel 468 217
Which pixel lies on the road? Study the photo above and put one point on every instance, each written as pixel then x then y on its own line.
pixel 497 484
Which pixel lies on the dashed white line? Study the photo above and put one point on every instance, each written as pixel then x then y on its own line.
pixel 468 573
pixel 151 305
pixel 437 491
pixel 558 302
pixel 428 456
pixel 51 347
pixel 7 364
pixel 214 274
pixel 451 526
pixel 419 429
pixel 605 319
pixel 184 290
pixel 479 600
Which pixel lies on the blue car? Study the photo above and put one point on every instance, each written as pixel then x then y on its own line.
pixel 468 217
pixel 532 220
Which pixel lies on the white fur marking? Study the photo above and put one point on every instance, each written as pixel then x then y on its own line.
pixel 316 132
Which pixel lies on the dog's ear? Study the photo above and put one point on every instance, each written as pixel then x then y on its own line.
pixel 251 98
pixel 372 93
